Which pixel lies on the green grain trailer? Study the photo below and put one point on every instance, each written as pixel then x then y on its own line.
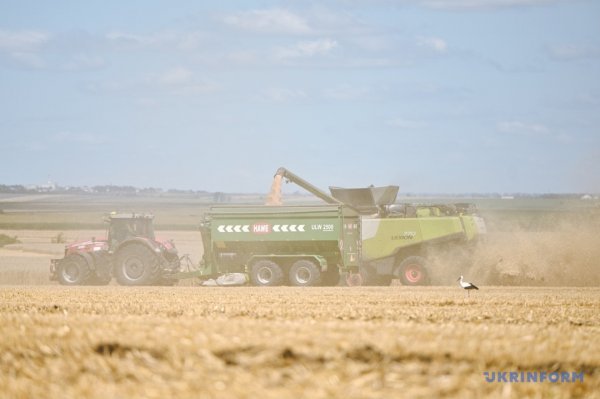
pixel 275 245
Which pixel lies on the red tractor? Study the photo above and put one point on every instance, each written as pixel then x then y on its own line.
pixel 130 253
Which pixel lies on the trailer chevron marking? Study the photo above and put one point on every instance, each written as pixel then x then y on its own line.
pixel 230 228
pixel 277 228
pixel 289 228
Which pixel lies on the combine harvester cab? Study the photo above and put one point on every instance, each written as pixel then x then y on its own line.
pixel 397 239
pixel 131 253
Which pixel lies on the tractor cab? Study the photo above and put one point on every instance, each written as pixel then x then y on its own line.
pixel 124 226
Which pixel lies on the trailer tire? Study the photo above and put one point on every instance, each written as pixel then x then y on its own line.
pixel 412 271
pixel 266 273
pixel 304 273
pixel 74 270
pixel 136 265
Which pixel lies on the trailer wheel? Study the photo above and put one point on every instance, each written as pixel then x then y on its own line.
pixel 74 270
pixel 412 271
pixel 304 273
pixel 136 265
pixel 266 273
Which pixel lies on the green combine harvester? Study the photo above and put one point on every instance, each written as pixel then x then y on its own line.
pixel 359 236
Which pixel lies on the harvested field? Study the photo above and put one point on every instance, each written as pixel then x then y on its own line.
pixel 191 342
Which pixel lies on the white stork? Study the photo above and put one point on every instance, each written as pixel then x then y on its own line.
pixel 467 286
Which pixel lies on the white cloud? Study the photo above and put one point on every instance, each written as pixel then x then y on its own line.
pixel 433 43
pixel 82 62
pixel 80 138
pixel 180 81
pixel 27 59
pixel 269 21
pixel 406 124
pixel 482 4
pixel 22 40
pixel 307 49
pixel 280 95
pixel 522 128
pixel 183 41
pixel 346 93
pixel 568 52
pixel 176 76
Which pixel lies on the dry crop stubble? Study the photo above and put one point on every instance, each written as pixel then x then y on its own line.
pixel 287 342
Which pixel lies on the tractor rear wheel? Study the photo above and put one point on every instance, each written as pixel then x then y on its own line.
pixel 74 270
pixel 412 271
pixel 136 265
pixel 266 273
pixel 304 273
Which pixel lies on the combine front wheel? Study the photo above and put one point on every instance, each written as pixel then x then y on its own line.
pixel 412 271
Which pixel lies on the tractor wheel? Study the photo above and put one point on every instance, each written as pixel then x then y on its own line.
pixel 74 270
pixel 266 273
pixel 136 265
pixel 304 273
pixel 412 271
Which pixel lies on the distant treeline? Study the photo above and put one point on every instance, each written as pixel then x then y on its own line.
pixel 225 197
pixel 105 189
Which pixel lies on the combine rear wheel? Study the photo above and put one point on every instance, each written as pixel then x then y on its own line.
pixel 412 271
pixel 74 270
pixel 136 265
pixel 304 273
pixel 266 273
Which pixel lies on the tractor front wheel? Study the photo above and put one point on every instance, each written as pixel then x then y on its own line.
pixel 136 265
pixel 266 273
pixel 304 273
pixel 74 270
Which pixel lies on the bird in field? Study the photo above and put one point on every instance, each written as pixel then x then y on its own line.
pixel 466 285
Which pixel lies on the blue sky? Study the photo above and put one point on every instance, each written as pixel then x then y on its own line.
pixel 434 96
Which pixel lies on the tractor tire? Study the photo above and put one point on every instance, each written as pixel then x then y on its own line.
pixel 136 265
pixel 266 273
pixel 412 271
pixel 74 270
pixel 304 273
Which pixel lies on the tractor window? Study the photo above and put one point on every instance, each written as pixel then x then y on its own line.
pixel 143 228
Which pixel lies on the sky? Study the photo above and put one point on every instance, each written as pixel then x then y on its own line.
pixel 454 96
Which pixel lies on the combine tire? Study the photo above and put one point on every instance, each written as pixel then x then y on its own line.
pixel 266 273
pixel 136 265
pixel 74 270
pixel 304 273
pixel 412 271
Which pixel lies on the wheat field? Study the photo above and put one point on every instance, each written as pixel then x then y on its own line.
pixel 339 342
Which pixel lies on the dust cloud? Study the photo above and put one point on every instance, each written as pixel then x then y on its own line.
pixel 566 255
